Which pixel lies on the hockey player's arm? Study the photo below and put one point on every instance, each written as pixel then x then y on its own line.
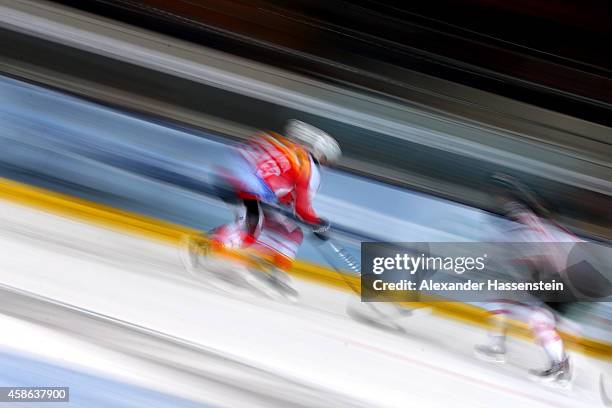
pixel 303 201
pixel 303 206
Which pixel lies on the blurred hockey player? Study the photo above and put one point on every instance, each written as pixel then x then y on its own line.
pixel 271 173
pixel 531 223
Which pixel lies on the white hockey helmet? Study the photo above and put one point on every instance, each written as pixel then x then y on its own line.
pixel 322 146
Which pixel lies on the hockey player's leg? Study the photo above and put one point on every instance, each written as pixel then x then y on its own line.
pixel 274 252
pixel 543 325
pixel 494 350
pixel 212 259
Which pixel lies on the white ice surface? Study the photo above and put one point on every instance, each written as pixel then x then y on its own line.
pixel 313 342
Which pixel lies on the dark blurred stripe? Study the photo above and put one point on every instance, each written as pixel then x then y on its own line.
pixel 373 47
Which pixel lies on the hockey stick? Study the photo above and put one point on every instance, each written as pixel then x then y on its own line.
pixel 351 263
pixel 354 266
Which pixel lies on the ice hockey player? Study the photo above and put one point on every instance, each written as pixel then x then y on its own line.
pixel 530 223
pixel 274 172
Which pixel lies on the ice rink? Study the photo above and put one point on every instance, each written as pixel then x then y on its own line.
pixel 102 302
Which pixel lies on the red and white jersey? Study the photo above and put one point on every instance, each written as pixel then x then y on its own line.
pixel 533 229
pixel 288 171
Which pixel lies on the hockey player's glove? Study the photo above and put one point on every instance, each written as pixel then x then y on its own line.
pixel 321 229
